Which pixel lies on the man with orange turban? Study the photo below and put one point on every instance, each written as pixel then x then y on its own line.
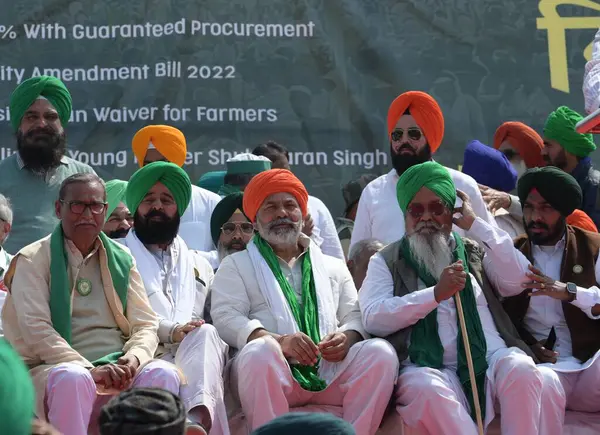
pixel 521 145
pixel 415 127
pixel 165 143
pixel 292 314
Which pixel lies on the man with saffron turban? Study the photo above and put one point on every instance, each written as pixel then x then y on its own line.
pixel 409 297
pixel 415 127
pixel 40 109
pixel 292 315
pixel 177 281
pixel 78 314
pixel 550 282
pixel 118 217
pixel 165 143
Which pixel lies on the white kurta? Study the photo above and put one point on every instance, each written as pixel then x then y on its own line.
pixel 324 233
pixel 433 399
pixel 5 258
pixel 379 215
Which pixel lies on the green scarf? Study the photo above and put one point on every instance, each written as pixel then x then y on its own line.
pixel 426 348
pixel 306 316
pixel 119 265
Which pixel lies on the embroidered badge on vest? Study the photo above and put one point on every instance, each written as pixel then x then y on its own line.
pixel 577 269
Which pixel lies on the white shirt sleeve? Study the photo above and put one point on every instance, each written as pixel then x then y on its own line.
pixel 382 312
pixel 515 208
pixel 348 312
pixel 591 78
pixel 330 244
pixel 587 298
pixel 362 223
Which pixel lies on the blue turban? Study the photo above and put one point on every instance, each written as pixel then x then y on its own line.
pixel 489 166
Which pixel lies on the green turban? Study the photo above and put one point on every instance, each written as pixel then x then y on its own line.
pixel 560 126
pixel 172 176
pixel 223 211
pixel 17 397
pixel 115 194
pixel 212 180
pixel 557 187
pixel 48 87
pixel 431 175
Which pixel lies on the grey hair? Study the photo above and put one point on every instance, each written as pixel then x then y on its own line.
pixel 6 213
pixel 82 177
pixel 359 248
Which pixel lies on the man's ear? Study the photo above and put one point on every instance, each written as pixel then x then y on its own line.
pixel 57 205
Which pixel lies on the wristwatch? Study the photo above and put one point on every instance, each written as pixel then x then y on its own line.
pixel 572 290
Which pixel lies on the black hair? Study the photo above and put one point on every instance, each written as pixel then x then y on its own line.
pixel 271 150
pixel 238 180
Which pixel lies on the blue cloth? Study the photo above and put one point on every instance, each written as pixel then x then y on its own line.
pixel 489 167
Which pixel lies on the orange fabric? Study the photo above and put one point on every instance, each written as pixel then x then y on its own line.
pixel 426 112
pixel 268 183
pixel 581 220
pixel 169 141
pixel 525 139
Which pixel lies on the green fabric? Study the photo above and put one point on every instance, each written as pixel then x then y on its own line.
pixel 560 126
pixel 425 347
pixel 212 181
pixel 33 213
pixel 228 189
pixel 223 211
pixel 248 166
pixel 431 175
pixel 119 265
pixel 17 396
pixel 172 176
pixel 557 187
pixel 115 194
pixel 48 87
pixel 306 316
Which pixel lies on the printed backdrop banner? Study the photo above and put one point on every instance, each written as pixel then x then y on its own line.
pixel 316 76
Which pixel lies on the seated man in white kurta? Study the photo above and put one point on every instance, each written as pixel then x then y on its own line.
pixel 176 281
pixel 78 314
pixel 292 314
pixel 409 297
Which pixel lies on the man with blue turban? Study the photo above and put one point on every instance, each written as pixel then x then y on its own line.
pixel 40 108
pixel 410 296
pixel 177 279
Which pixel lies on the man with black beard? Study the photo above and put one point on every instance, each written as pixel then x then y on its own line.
pixel 415 130
pixel 177 281
pixel 40 108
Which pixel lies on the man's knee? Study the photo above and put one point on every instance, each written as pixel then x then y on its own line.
pixel 205 332
pixel 259 354
pixel 519 369
pixel 383 356
pixel 424 383
pixel 160 374
pixel 71 376
pixel 551 385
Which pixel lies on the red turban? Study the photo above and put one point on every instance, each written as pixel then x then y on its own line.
pixel 581 220
pixel 525 139
pixel 426 112
pixel 268 183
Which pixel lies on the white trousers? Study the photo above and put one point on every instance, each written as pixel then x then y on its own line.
pixel 71 393
pixel 267 389
pixel 434 402
pixel 201 357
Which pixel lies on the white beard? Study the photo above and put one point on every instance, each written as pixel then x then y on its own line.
pixel 280 237
pixel 431 251
pixel 520 167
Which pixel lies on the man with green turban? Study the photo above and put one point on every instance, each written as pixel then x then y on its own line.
pixel 569 151
pixel 212 181
pixel 230 228
pixel 409 297
pixel 118 217
pixel 176 280
pixel 40 108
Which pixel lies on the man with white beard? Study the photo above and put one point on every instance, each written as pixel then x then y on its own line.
pixel 292 314
pixel 407 297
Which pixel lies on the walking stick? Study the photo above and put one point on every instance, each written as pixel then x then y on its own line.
pixel 463 330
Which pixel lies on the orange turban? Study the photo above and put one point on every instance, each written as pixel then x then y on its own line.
pixel 581 220
pixel 426 112
pixel 525 139
pixel 169 141
pixel 270 182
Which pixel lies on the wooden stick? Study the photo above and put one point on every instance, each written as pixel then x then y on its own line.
pixel 465 335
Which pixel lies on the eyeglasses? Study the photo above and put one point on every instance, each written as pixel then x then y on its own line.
pixel 229 228
pixel 418 210
pixel 78 207
pixel 413 133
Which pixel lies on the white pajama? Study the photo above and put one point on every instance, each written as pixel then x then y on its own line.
pixel 201 356
pixel 71 393
pixel 363 388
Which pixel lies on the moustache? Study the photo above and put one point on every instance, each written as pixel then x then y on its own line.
pixel 428 225
pixel 157 213
pixel 538 225
pixel 118 234
pixel 405 147
pixel 42 131
pixel 282 221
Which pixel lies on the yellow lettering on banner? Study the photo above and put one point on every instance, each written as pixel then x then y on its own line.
pixel 556 26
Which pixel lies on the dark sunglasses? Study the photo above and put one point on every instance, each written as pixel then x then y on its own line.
pixel 418 210
pixel 230 228
pixel 78 207
pixel 413 133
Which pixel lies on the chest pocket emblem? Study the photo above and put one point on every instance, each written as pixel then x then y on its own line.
pixel 577 269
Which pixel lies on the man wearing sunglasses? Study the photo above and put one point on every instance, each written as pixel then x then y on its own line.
pixel 177 281
pixel 415 130
pixel 231 229
pixel 410 296
pixel 78 314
